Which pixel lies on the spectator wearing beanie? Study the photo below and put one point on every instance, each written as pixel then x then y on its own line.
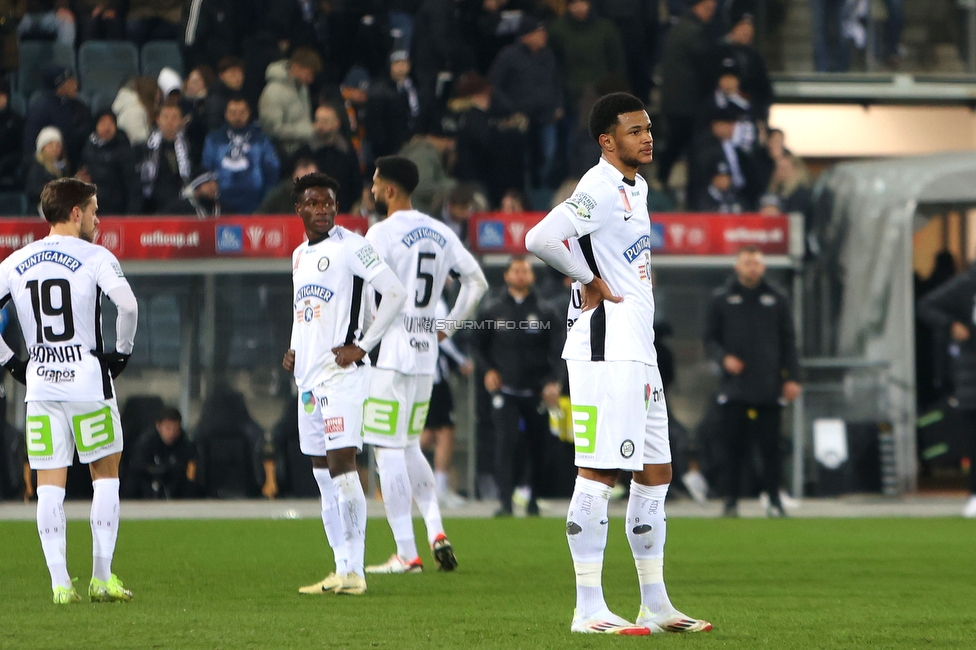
pixel 48 164
pixel 108 161
pixel 59 106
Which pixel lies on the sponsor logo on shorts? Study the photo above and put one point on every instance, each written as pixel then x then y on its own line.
pixel 308 402
pixel 40 442
pixel 93 430
pixel 335 425
pixel 584 428
pixel 627 448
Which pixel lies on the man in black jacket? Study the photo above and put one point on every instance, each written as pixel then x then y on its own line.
pixel 952 308
pixel 750 334
pixel 58 105
pixel 520 349
pixel 392 108
pixel 107 160
pixel 164 464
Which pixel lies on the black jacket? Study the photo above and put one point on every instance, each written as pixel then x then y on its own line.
pixel 955 301
pixel 685 67
pixel 389 123
pixel 11 139
pixel 341 163
pixel 753 75
pixel 526 357
pixel 112 168
pixel 526 82
pixel 755 325
pixel 71 116
pixel 158 471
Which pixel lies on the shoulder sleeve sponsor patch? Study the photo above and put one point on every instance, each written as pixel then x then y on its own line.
pixel 582 204
pixel 367 255
pixel 118 269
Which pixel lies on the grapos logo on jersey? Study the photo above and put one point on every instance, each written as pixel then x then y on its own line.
pixel 582 204
pixel 367 256
pixel 55 353
pixel 417 234
pixel 420 346
pixel 53 376
pixel 64 260
pixel 637 249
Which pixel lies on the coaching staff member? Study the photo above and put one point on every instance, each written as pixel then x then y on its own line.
pixel 750 334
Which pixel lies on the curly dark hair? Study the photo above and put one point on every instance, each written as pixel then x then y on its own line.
pixel 604 116
pixel 316 179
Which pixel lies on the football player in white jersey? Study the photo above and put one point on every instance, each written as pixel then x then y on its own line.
pixel 421 251
pixel 619 415
pixel 328 356
pixel 57 284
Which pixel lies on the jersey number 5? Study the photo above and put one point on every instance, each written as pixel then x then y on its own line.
pixel 428 278
pixel 41 301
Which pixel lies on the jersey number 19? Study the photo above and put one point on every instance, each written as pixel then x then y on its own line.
pixel 42 303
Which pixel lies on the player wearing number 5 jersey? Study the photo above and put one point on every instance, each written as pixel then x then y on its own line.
pixel 619 416
pixel 56 285
pixel 421 251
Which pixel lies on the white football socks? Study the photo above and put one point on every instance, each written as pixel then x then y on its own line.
pixel 395 485
pixel 331 520
pixel 424 490
pixel 51 529
pixel 352 509
pixel 104 526
pixel 586 530
pixel 646 531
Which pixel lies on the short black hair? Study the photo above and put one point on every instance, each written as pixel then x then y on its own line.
pixel 316 179
pixel 605 114
pixel 169 413
pixel 238 98
pixel 400 171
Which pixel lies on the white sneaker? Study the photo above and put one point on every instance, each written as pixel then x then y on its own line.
pixel 397 565
pixel 352 584
pixel 326 586
pixel 697 486
pixel 969 512
pixel 606 622
pixel 449 499
pixel 671 622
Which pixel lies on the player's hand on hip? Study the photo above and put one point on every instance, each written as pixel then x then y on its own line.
pixel 115 362
pixel 791 390
pixel 733 365
pixel 288 362
pixel 348 354
pixel 596 292
pixel 17 369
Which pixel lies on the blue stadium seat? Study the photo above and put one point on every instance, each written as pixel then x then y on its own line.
pixel 35 58
pixel 13 204
pixel 157 55
pixel 104 65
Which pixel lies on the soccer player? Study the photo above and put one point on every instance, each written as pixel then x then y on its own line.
pixel 328 356
pixel 619 414
pixel 421 251
pixel 56 284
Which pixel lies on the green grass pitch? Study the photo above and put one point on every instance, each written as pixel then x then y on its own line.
pixel 778 584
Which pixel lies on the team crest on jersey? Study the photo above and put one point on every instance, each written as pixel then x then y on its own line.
pixel 323 264
pixel 417 234
pixel 582 204
pixel 63 259
pixel 367 255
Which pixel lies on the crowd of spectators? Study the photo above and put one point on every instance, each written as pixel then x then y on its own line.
pixel 489 94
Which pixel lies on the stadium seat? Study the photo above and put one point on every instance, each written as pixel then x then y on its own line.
pixel 104 65
pixel 157 55
pixel 13 204
pixel 98 101
pixel 35 58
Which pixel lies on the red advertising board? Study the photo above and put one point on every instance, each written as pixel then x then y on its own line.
pixel 152 238
pixel 671 234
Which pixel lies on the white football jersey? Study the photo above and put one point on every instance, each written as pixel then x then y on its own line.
pixel 421 251
pixel 56 284
pixel 329 303
pixel 610 214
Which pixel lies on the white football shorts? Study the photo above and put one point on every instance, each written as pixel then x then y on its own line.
pixel 620 418
pixel 396 408
pixel 56 429
pixel 330 416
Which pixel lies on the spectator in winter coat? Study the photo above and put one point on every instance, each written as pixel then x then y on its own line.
pixel 334 155
pixel 153 20
pixel 243 158
pixel 48 164
pixel 392 108
pixel 588 49
pixel 44 19
pixel 749 63
pixel 135 108
pixel 100 20
pixel 285 108
pixel 165 161
pixel 59 106
pixel 281 200
pixel 230 81
pixel 107 160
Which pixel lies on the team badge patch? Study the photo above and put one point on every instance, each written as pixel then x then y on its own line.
pixel 323 264
pixel 627 448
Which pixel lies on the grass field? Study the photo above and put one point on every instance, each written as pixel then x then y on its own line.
pixel 896 583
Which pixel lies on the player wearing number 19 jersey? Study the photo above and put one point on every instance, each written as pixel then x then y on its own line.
pixel 619 415
pixel 56 285
pixel 421 251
